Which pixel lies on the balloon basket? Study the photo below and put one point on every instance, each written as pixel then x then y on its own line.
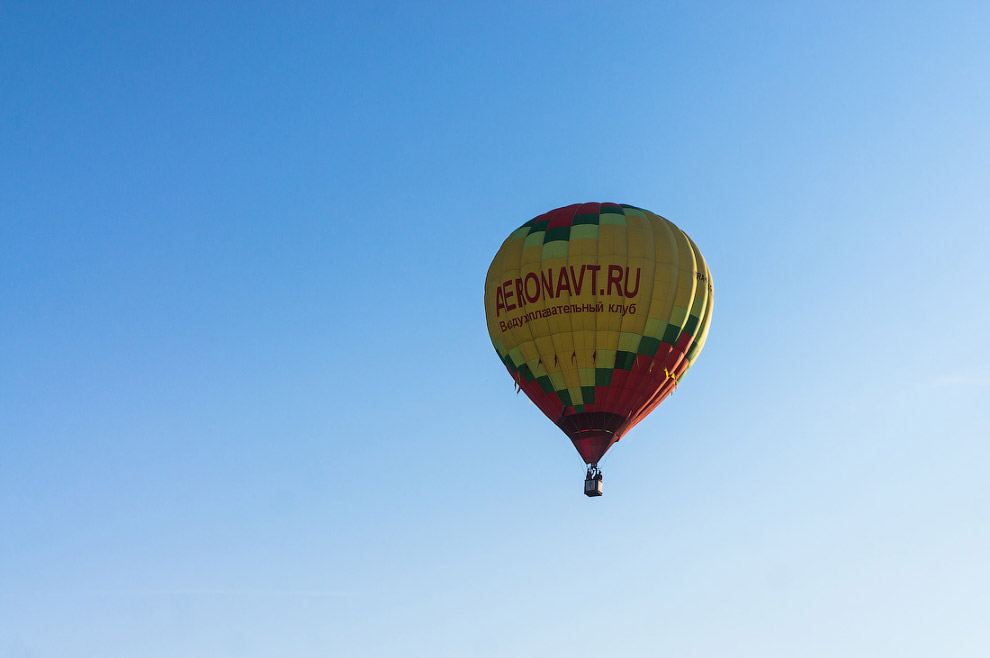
pixel 592 488
pixel 593 482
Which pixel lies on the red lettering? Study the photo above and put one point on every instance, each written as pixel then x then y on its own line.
pixel 507 293
pixel 578 280
pixel 519 292
pixel 594 278
pixel 562 282
pixel 547 280
pixel 636 289
pixel 536 281
pixel 614 276
pixel 499 303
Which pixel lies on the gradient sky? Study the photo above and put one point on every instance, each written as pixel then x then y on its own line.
pixel 248 403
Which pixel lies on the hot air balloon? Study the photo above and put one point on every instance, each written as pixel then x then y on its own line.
pixel 597 310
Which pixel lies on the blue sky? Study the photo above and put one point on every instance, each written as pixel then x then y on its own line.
pixel 248 404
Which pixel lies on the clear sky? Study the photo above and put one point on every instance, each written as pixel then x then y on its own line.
pixel 248 403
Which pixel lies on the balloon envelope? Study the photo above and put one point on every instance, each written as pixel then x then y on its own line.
pixel 597 310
